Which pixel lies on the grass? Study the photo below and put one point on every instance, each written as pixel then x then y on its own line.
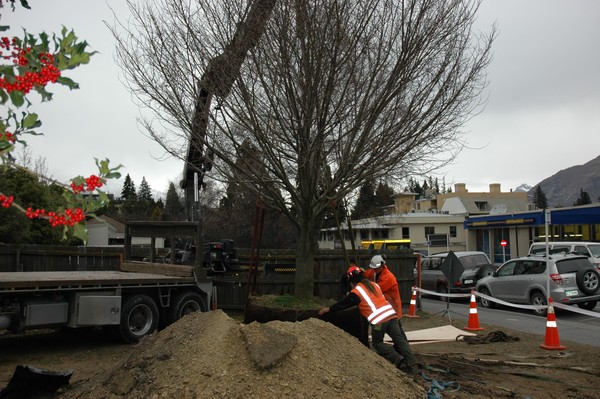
pixel 291 302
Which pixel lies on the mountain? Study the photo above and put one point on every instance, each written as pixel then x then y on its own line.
pixel 564 187
pixel 523 187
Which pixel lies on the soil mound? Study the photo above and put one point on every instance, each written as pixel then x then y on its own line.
pixel 211 355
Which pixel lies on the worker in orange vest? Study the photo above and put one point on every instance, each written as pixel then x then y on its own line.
pixel 380 314
pixel 383 276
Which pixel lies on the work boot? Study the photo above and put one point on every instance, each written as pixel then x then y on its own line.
pixel 399 361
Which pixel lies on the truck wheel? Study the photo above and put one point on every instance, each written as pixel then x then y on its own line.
pixel 185 303
pixel 139 317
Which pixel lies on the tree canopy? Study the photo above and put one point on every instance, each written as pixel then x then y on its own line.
pixel 331 93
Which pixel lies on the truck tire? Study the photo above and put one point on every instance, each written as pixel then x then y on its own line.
pixel 185 303
pixel 139 317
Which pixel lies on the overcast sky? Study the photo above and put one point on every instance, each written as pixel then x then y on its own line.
pixel 542 114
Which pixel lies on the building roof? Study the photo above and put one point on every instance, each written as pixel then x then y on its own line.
pixel 118 226
pixel 469 206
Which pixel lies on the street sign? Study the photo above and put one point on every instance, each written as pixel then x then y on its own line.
pixel 503 243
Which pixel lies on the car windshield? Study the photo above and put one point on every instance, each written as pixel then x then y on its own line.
pixel 472 261
pixel 572 265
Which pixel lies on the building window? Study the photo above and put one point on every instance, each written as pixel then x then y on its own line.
pixel 405 233
pixel 453 231
pixel 429 230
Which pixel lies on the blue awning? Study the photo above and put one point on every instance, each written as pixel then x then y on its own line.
pixel 558 216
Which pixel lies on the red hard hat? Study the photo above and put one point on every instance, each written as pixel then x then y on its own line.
pixel 354 271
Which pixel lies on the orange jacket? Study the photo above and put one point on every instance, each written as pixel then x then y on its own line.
pixel 372 306
pixel 387 281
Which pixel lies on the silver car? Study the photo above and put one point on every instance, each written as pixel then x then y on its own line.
pixel 571 280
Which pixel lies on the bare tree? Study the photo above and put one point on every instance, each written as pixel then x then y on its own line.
pixel 331 94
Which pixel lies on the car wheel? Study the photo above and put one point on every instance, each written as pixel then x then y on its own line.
pixel 442 289
pixel 588 305
pixel 484 271
pixel 538 299
pixel 588 281
pixel 486 303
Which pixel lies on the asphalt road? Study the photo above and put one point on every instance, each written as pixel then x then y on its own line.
pixel 571 326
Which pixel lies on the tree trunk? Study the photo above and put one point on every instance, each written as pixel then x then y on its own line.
pixel 307 244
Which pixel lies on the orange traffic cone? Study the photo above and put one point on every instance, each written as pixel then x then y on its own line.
pixel 412 309
pixel 552 341
pixel 473 323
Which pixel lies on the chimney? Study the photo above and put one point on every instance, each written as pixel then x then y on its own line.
pixel 495 188
pixel 460 188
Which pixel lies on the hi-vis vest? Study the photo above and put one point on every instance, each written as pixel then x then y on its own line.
pixel 373 307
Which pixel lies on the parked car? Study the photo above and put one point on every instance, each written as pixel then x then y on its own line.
pixel 589 249
pixel 476 265
pixel 572 279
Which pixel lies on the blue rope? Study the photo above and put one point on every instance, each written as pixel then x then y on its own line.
pixel 437 387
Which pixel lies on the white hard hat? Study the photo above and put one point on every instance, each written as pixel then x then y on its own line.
pixel 377 261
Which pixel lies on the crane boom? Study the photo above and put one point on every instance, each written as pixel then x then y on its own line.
pixel 217 80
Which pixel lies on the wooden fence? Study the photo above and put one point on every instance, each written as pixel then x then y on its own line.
pixel 39 258
pixel 275 273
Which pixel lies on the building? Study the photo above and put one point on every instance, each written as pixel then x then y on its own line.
pixel 109 231
pixel 519 230
pixel 434 223
pixel 462 202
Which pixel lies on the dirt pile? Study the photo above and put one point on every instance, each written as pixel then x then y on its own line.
pixel 211 355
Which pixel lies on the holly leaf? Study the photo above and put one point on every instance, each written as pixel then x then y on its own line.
pixel 31 121
pixel 17 98
pixel 68 82
pixel 80 231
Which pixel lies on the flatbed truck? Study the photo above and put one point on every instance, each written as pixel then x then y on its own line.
pixel 131 303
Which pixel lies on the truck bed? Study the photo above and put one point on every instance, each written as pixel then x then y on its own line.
pixel 35 281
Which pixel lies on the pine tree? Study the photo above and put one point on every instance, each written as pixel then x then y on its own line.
pixel 539 198
pixel 174 209
pixel 128 191
pixel 145 193
pixel 384 195
pixel 365 203
pixel 584 198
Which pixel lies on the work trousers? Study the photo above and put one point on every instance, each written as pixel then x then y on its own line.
pixel 393 328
